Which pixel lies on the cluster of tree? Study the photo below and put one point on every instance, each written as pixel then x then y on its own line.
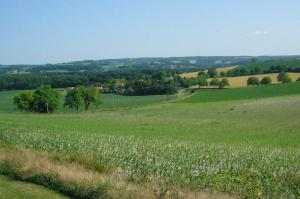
pixel 45 99
pixel 265 68
pixel 82 96
pixel 155 84
pixel 219 83
pixel 282 77
pixel 135 83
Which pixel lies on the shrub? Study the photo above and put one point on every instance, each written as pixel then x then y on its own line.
pixel 214 82
pixel 253 81
pixel 266 81
pixel 202 81
pixel 224 83
pixel 284 78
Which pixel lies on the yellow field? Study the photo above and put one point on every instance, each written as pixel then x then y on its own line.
pixel 195 74
pixel 241 81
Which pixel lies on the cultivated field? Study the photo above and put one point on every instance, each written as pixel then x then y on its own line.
pixel 195 74
pixel 248 148
pixel 241 81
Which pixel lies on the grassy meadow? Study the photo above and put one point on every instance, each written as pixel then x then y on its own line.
pixel 245 147
pixel 214 95
pixel 108 101
pixel 14 190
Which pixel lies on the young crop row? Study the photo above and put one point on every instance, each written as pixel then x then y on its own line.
pixel 244 171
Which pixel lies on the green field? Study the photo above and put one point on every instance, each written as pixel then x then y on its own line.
pixel 215 95
pixel 245 146
pixel 10 189
pixel 109 101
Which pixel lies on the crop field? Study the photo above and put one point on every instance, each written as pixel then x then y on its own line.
pixel 195 74
pixel 241 81
pixel 108 101
pixel 247 148
pixel 214 95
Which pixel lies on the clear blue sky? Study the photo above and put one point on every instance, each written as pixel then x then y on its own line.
pixel 51 31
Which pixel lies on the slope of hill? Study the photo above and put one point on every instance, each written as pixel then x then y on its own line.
pixel 183 64
pixel 215 95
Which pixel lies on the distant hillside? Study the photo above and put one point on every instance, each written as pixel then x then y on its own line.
pixel 179 64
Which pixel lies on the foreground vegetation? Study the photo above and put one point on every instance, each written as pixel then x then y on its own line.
pixel 243 148
pixel 13 190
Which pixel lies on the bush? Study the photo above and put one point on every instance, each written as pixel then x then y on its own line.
pixel 202 81
pixel 284 78
pixel 224 83
pixel 266 81
pixel 214 82
pixel 253 81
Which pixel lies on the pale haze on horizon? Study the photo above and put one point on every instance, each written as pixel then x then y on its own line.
pixel 54 31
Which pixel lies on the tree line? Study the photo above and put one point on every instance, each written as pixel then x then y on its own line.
pixel 45 99
pixel 282 77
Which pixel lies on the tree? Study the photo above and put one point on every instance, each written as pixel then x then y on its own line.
pixel 222 74
pixel 202 73
pixel 214 82
pixel 202 81
pixel 212 72
pixel 266 81
pixel 253 81
pixel 284 78
pixel 224 83
pixel 73 98
pixel 46 99
pixel 90 95
pixel 24 101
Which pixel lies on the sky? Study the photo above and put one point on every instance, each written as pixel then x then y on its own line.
pixel 55 31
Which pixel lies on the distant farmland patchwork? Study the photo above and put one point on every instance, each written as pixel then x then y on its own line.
pixel 241 81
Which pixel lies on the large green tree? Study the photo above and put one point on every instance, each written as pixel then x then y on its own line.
pixel 24 101
pixel 90 95
pixel 224 83
pixel 266 81
pixel 214 82
pixel 46 99
pixel 284 78
pixel 73 98
pixel 212 72
pixel 253 81
pixel 202 81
